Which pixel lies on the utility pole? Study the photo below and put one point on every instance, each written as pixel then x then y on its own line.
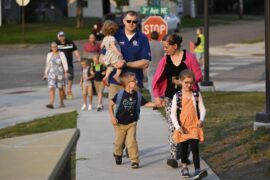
pixel 263 118
pixel 206 81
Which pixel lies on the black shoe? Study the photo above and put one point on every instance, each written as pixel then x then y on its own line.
pixel 200 174
pixel 185 173
pixel 135 165
pixel 50 106
pixel 118 159
pixel 173 163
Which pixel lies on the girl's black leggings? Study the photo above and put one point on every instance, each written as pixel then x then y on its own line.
pixel 194 146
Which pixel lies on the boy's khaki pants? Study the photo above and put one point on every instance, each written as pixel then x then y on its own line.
pixel 127 134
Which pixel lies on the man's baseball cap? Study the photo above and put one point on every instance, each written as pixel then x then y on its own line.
pixel 61 33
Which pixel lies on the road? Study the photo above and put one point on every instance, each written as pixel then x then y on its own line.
pixel 23 67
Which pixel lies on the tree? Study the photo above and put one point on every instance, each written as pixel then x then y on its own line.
pixel 241 9
pixel 79 13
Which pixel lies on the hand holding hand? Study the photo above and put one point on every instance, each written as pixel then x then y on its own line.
pixel 200 124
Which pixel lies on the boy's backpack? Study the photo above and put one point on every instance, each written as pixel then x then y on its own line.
pixel 179 103
pixel 138 105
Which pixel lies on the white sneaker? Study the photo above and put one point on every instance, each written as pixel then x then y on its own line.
pixel 89 107
pixel 83 107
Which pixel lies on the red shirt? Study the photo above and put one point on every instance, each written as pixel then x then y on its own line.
pixel 91 48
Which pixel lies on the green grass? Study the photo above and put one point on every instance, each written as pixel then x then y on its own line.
pixel 53 123
pixel 187 22
pixel 45 32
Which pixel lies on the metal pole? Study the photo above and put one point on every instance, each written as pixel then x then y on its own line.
pixel 0 13
pixel 23 20
pixel 264 117
pixel 206 81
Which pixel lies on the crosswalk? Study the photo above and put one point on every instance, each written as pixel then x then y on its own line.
pixel 220 65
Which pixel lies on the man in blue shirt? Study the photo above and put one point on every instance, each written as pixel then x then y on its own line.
pixel 135 50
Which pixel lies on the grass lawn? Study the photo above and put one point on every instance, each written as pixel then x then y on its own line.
pixel 45 32
pixel 231 147
pixel 53 123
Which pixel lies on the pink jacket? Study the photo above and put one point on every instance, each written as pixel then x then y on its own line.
pixel 159 82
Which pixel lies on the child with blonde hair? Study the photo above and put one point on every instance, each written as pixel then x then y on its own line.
pixel 86 84
pixel 124 117
pixel 187 114
pixel 113 52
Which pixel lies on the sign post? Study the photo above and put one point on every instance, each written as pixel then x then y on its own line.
pixel 155 23
pixel 22 3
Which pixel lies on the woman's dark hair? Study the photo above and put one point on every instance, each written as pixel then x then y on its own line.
pixel 154 35
pixel 173 39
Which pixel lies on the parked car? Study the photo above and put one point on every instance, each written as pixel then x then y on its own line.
pixel 173 21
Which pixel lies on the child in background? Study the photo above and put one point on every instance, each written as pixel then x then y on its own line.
pixel 113 52
pixel 199 47
pixel 187 114
pixel 125 118
pixel 99 71
pixel 86 84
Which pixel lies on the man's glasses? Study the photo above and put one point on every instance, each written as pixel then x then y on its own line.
pixel 130 21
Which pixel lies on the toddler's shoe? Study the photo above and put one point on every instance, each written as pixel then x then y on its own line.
pixel 185 173
pixel 118 159
pixel 200 174
pixel 89 107
pixel 99 107
pixel 173 163
pixel 83 107
pixel 135 165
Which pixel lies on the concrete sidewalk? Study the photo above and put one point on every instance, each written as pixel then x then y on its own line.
pixel 95 146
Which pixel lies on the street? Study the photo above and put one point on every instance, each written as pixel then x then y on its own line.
pixel 23 67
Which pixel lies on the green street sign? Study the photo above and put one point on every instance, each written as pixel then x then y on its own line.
pixel 152 10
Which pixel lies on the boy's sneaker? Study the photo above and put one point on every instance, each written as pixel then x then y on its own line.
pixel 83 107
pixel 200 174
pixel 185 173
pixel 135 165
pixel 118 159
pixel 173 163
pixel 89 107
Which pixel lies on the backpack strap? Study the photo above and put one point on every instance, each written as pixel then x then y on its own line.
pixel 118 100
pixel 196 96
pixel 138 105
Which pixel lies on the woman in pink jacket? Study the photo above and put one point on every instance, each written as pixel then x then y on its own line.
pixel 165 82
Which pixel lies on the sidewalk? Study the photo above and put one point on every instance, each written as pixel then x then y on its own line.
pixel 95 146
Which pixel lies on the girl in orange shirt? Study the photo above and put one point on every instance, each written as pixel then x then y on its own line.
pixel 187 114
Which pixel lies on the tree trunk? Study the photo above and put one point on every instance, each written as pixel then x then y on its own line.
pixel 79 14
pixel 241 9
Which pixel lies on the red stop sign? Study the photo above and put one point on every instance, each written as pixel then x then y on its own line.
pixel 155 23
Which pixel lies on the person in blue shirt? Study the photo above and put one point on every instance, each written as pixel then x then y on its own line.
pixel 135 50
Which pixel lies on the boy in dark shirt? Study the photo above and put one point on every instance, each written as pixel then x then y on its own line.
pixel 125 118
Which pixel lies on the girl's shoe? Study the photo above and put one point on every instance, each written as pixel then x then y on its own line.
pixel 89 107
pixel 200 174
pixel 185 173
pixel 83 107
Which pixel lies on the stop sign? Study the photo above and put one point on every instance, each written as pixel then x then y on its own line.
pixel 155 23
pixel 22 2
